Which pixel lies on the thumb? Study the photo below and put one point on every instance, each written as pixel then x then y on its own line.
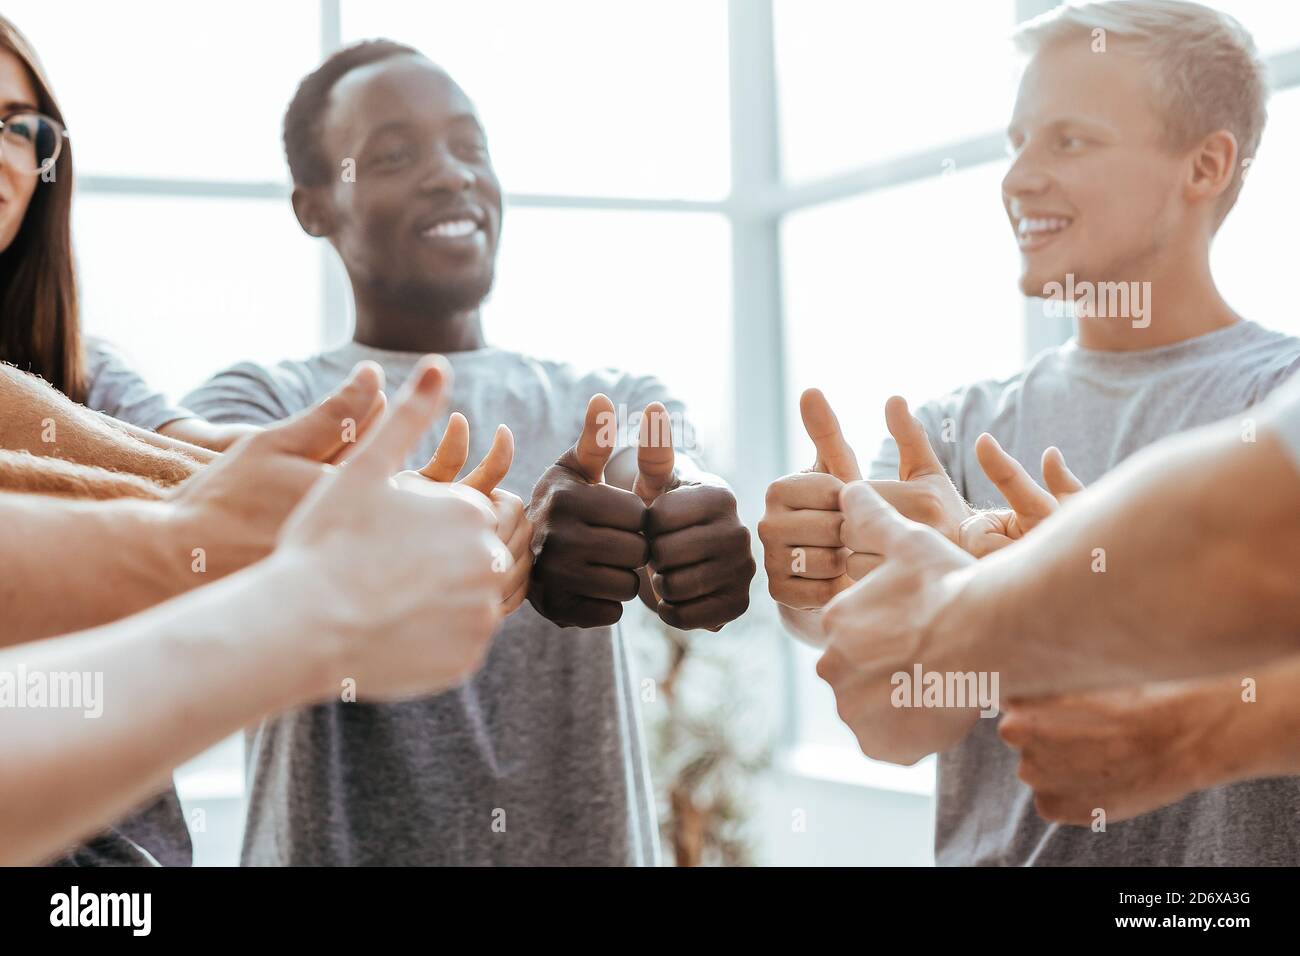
pixel 916 457
pixel 599 435
pixel 449 457
pixel 871 524
pixel 320 433
pixel 386 446
pixel 834 456
pixel 1060 481
pixel 495 464
pixel 1022 493
pixel 654 453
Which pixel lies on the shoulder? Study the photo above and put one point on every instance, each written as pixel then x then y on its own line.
pixel 1267 358
pixel 976 404
pixel 249 392
pixel 114 387
pixel 584 381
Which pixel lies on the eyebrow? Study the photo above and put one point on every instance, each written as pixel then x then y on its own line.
pixel 1073 120
pixel 403 125
pixel 16 106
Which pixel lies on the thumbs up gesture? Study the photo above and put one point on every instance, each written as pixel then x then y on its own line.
pixel 513 527
pixel 700 563
pixel 587 534
pixel 806 561
pixel 1030 505
pixel 923 491
pixel 673 536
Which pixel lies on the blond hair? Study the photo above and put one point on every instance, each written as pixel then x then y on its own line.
pixel 1207 73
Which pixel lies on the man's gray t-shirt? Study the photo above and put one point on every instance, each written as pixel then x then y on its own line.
pixel 539 758
pixel 156 833
pixel 1099 408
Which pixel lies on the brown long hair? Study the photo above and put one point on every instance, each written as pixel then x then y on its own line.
pixel 39 327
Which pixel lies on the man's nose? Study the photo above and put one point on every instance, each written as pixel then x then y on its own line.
pixel 446 173
pixel 1025 178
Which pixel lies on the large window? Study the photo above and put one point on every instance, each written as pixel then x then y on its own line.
pixel 745 197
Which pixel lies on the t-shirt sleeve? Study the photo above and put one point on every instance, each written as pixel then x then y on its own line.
pixel 249 394
pixel 116 389
pixel 1280 369
pixel 935 417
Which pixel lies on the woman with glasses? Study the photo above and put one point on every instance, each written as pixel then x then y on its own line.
pixel 39 326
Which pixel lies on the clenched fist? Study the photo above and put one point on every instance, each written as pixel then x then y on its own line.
pixel 700 562
pixel 678 542
pixel 806 561
pixel 586 534
pixel 805 556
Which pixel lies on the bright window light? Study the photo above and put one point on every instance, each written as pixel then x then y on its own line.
pixel 863 82
pixel 582 97
pixel 179 91
pixel 187 286
pixel 1254 254
pixel 909 291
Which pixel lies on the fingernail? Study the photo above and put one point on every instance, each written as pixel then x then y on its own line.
pixel 429 380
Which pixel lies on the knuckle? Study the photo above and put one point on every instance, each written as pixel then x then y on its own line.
pixel 737 537
pixel 776 492
pixel 631 586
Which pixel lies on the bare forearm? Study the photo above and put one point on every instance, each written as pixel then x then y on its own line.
pixel 1179 564
pixel 201 439
pixel 23 472
pixel 172 681
pixel 1260 734
pixel 172 437
pixel 40 420
pixel 71 565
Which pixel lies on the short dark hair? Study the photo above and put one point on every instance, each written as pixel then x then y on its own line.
pixel 308 164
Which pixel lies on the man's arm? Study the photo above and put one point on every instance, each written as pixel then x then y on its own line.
pixel 38 419
pixel 1133 750
pixel 1182 562
pixel 172 681
pixel 200 435
pixel 22 472
pixel 71 565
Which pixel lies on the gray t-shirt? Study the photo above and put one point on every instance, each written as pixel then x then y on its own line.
pixel 1099 408
pixel 539 758
pixel 116 389
pixel 155 834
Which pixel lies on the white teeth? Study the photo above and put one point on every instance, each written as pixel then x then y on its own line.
pixel 1029 226
pixel 455 229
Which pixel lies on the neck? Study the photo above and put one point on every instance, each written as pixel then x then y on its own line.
pixel 1169 304
pixel 411 330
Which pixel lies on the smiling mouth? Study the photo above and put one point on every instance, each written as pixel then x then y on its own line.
pixel 452 229
pixel 1034 232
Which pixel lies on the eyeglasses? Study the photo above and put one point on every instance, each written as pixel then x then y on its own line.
pixel 30 142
